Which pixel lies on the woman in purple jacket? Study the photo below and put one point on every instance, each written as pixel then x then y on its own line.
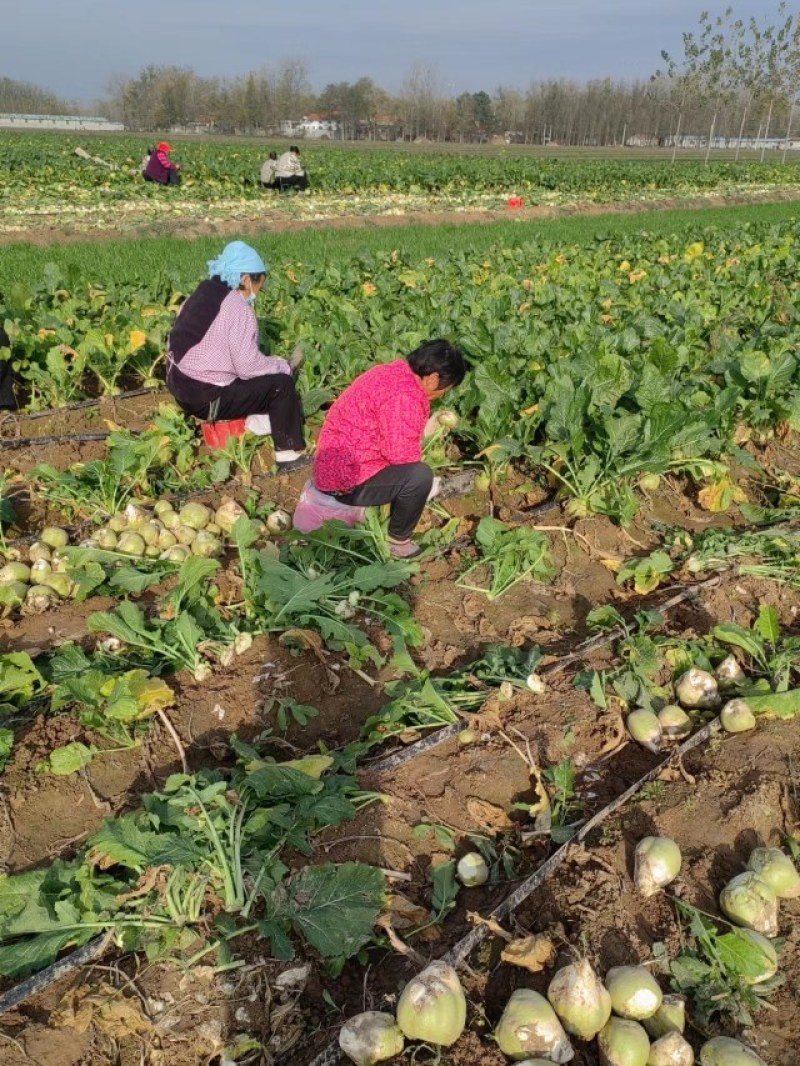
pixel 160 167
pixel 215 369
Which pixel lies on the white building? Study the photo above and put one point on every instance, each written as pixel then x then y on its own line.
pixel 313 127
pixel 59 122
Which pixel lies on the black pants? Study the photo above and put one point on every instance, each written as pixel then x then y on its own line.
pixel 8 401
pixel 297 181
pixel 404 487
pixel 173 178
pixel 273 394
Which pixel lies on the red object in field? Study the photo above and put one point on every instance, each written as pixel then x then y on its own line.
pixel 516 201
pixel 216 434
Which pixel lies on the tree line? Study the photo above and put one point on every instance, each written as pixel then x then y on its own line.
pixel 735 81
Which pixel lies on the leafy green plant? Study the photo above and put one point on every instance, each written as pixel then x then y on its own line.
pixel 189 630
pixel 202 862
pixel 510 556
pixel 716 969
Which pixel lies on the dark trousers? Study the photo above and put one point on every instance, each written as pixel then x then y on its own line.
pixel 272 394
pixel 297 181
pixel 173 178
pixel 8 401
pixel 404 487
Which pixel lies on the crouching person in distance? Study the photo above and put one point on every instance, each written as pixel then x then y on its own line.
pixel 215 369
pixel 370 449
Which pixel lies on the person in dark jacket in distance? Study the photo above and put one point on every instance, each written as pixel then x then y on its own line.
pixel 215 369
pixel 160 167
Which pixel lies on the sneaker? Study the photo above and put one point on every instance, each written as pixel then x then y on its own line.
pixel 404 549
pixel 294 464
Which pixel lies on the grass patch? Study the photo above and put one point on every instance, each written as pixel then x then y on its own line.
pixel 185 259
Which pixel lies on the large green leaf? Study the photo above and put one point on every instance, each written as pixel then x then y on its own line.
pixel 335 907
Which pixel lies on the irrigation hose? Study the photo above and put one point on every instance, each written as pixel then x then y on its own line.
pixel 461 951
pixel 19 993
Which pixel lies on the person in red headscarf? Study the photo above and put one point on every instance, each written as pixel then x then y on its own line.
pixel 160 167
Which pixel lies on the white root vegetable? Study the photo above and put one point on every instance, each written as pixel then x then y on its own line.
pixel 432 1007
pixel 536 684
pixel 736 717
pixel 14 595
pixel 371 1037
pixel 724 1051
pixel 472 870
pixel 467 736
pixel 131 544
pixel 228 514
pixel 279 521
pixel 161 507
pixel 580 999
pixel 657 862
pixel 675 722
pixel 623 1042
pixel 106 539
pixel 644 727
pixel 635 993
pixel 39 598
pixel 195 515
pixel 447 419
pixel 530 1026
pixel 671 1050
pixel 697 688
pixel 184 534
pixel 39 550
pixel 61 584
pixel 777 869
pixel 176 554
pixel 729 673
pixel 749 901
pixel 54 537
pixel 669 1018
pixel 13 572
pixel 206 544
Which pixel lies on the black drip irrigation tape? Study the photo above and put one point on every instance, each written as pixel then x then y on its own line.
pixel 462 950
pixel 54 412
pixel 19 993
pixel 73 438
pixel 449 732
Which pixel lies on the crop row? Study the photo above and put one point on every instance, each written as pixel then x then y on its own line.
pixel 600 363
pixel 44 168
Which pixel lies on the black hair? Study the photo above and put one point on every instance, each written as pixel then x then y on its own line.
pixel 254 277
pixel 294 148
pixel 439 357
pixel 273 155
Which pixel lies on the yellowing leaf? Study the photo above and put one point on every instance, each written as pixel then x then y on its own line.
pixel 138 338
pixel 108 338
pixel 312 765
pixel 694 251
pixel 368 288
pixel 45 333
pixel 720 495
pixel 624 266
pixel 532 953
pixel 636 275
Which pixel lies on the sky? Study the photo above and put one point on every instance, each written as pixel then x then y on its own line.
pixel 75 49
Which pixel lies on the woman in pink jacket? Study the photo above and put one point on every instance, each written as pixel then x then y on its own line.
pixel 160 167
pixel 369 451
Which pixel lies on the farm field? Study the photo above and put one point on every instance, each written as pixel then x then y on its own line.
pixel 49 191
pixel 240 766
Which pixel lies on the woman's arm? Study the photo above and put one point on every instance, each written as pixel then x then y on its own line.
pixel 247 359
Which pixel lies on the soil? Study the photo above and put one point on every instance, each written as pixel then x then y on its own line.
pixel 717 803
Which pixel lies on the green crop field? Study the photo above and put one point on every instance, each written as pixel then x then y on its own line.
pixel 244 764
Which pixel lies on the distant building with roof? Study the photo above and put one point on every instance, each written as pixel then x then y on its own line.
pixel 59 122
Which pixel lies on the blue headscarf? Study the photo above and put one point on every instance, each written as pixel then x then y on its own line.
pixel 237 258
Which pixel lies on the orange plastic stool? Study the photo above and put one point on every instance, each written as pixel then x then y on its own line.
pixel 216 434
